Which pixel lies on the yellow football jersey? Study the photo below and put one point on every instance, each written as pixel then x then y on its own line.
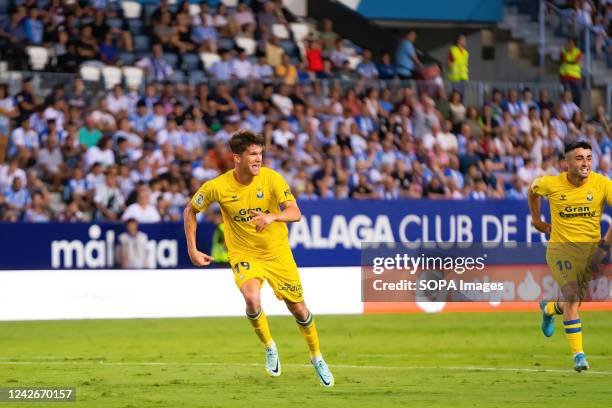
pixel 265 193
pixel 575 211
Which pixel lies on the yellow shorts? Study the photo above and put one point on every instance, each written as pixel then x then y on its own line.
pixel 281 273
pixel 570 265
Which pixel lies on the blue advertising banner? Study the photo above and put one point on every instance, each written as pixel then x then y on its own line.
pixel 329 234
pixel 465 11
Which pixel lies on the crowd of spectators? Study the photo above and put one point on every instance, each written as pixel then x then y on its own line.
pixel 142 156
pixel 167 41
pixel 594 15
pixel 79 154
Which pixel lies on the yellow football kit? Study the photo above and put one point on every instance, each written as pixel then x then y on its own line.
pixel 575 215
pixel 264 255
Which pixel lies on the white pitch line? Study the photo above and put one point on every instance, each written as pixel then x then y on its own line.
pixel 456 355
pixel 373 355
pixel 347 366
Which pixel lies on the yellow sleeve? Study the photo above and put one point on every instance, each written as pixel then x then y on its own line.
pixel 204 196
pixel 280 188
pixel 608 190
pixel 541 186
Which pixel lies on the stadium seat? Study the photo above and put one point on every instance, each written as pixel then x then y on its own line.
pixel 39 57
pixel 226 43
pixel 112 76
pixel 171 59
pixel 280 31
pixel 299 30
pixel 209 58
pixel 131 9
pixel 354 60
pixel 288 46
pixel 196 76
pixel 135 26
pixel 177 76
pixel 142 43
pixel 149 9
pixel 127 58
pixel 194 9
pixel 349 51
pixel 90 73
pixel 248 44
pixel 134 77
pixel 190 62
pixel 114 22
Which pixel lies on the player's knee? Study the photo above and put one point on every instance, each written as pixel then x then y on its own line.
pixel 253 301
pixel 298 310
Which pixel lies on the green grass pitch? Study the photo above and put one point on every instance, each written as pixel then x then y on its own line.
pixel 414 360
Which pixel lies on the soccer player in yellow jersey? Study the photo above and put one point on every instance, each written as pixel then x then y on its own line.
pixel 575 248
pixel 255 204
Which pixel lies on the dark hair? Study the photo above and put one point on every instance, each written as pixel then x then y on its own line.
pixel 244 138
pixel 580 144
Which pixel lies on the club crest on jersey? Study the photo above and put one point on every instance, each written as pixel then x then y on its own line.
pixel 563 197
pixel 260 193
pixel 589 196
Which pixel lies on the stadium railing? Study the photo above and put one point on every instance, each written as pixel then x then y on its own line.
pixel 476 92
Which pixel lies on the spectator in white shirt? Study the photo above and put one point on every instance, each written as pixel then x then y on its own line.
pixel 51 161
pixel 56 111
pixel 156 67
pixel 117 102
pixel 283 135
pixel 10 171
pixel 24 143
pixel 133 247
pixel 282 101
pixel 101 153
pixel 142 211
pixel 263 70
pixel 447 139
pixel 170 134
pixel 568 107
pixel 108 198
pixel 103 119
pixel 242 68
pixel 206 171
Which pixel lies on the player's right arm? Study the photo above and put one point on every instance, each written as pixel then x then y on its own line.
pixel 536 191
pixel 201 200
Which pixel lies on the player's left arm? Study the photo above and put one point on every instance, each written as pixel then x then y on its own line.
pixel 604 245
pixel 290 210
pixel 290 213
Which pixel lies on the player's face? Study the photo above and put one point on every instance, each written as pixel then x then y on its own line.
pixel 251 159
pixel 579 162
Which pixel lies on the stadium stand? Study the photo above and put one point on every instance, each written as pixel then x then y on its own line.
pixel 155 91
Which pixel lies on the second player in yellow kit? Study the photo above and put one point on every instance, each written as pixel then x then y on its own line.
pixel 575 214
pixel 255 204
pixel 577 199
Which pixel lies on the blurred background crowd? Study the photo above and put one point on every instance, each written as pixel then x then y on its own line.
pixel 338 123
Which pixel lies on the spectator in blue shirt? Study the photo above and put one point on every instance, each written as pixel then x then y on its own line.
pixel 109 53
pixel 386 69
pixel 17 197
pixel 33 27
pixel 366 68
pixel 406 58
pixel 222 69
